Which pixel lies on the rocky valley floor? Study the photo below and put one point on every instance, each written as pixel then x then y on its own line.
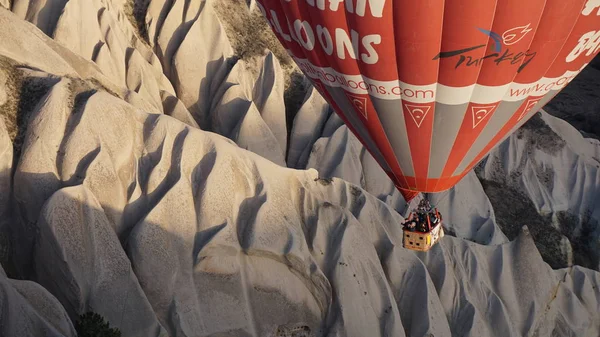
pixel 152 173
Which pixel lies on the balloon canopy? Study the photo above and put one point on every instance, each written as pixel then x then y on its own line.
pixel 431 86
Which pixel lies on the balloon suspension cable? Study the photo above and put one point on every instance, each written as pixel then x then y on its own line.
pixel 440 201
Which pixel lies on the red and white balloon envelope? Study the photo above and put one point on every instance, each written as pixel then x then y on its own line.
pixel 431 86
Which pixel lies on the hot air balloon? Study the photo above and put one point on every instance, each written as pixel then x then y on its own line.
pixel 431 86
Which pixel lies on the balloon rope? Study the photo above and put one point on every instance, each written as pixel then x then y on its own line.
pixel 443 198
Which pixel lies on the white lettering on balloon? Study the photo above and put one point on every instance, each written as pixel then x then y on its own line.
pixel 338 41
pixel 345 44
pixel 376 7
pixel 540 88
pixel 516 34
pixel 307 40
pixel 371 56
pixel 325 39
pixel 277 26
pixel 358 7
pixel 588 42
pixel 590 6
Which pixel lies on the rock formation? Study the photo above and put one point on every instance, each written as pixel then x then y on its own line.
pixel 120 204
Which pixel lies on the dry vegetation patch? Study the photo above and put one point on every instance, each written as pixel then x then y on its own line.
pixel 249 33
pixel 513 210
pixel 135 11
pixel 20 94
pixel 10 84
pixel 251 37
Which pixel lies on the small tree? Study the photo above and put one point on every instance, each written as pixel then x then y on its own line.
pixel 92 325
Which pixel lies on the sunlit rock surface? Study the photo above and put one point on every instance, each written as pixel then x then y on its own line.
pixel 125 207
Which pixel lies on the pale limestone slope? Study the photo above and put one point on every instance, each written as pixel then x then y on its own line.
pixel 557 171
pixel 307 128
pixel 278 248
pixel 98 30
pixel 27 309
pixel 196 236
pixel 188 58
pixel 467 211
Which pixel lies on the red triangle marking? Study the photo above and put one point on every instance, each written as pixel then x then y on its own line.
pixel 359 103
pixel 480 113
pixel 417 112
pixel 531 103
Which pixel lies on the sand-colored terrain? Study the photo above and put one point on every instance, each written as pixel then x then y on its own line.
pixel 153 176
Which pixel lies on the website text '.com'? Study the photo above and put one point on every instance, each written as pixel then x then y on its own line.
pixel 359 85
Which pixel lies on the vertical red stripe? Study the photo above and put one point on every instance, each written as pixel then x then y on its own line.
pixel 385 69
pixel 475 120
pixel 375 130
pixel 369 27
pixel 568 15
pixel 417 33
pixel 334 21
pixel 418 119
pixel 514 27
pixel 505 129
pixel 410 34
pixel 378 134
pixel 461 19
pixel 579 47
pixel 558 19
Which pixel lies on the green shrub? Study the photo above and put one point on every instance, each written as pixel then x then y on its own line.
pixel 92 325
